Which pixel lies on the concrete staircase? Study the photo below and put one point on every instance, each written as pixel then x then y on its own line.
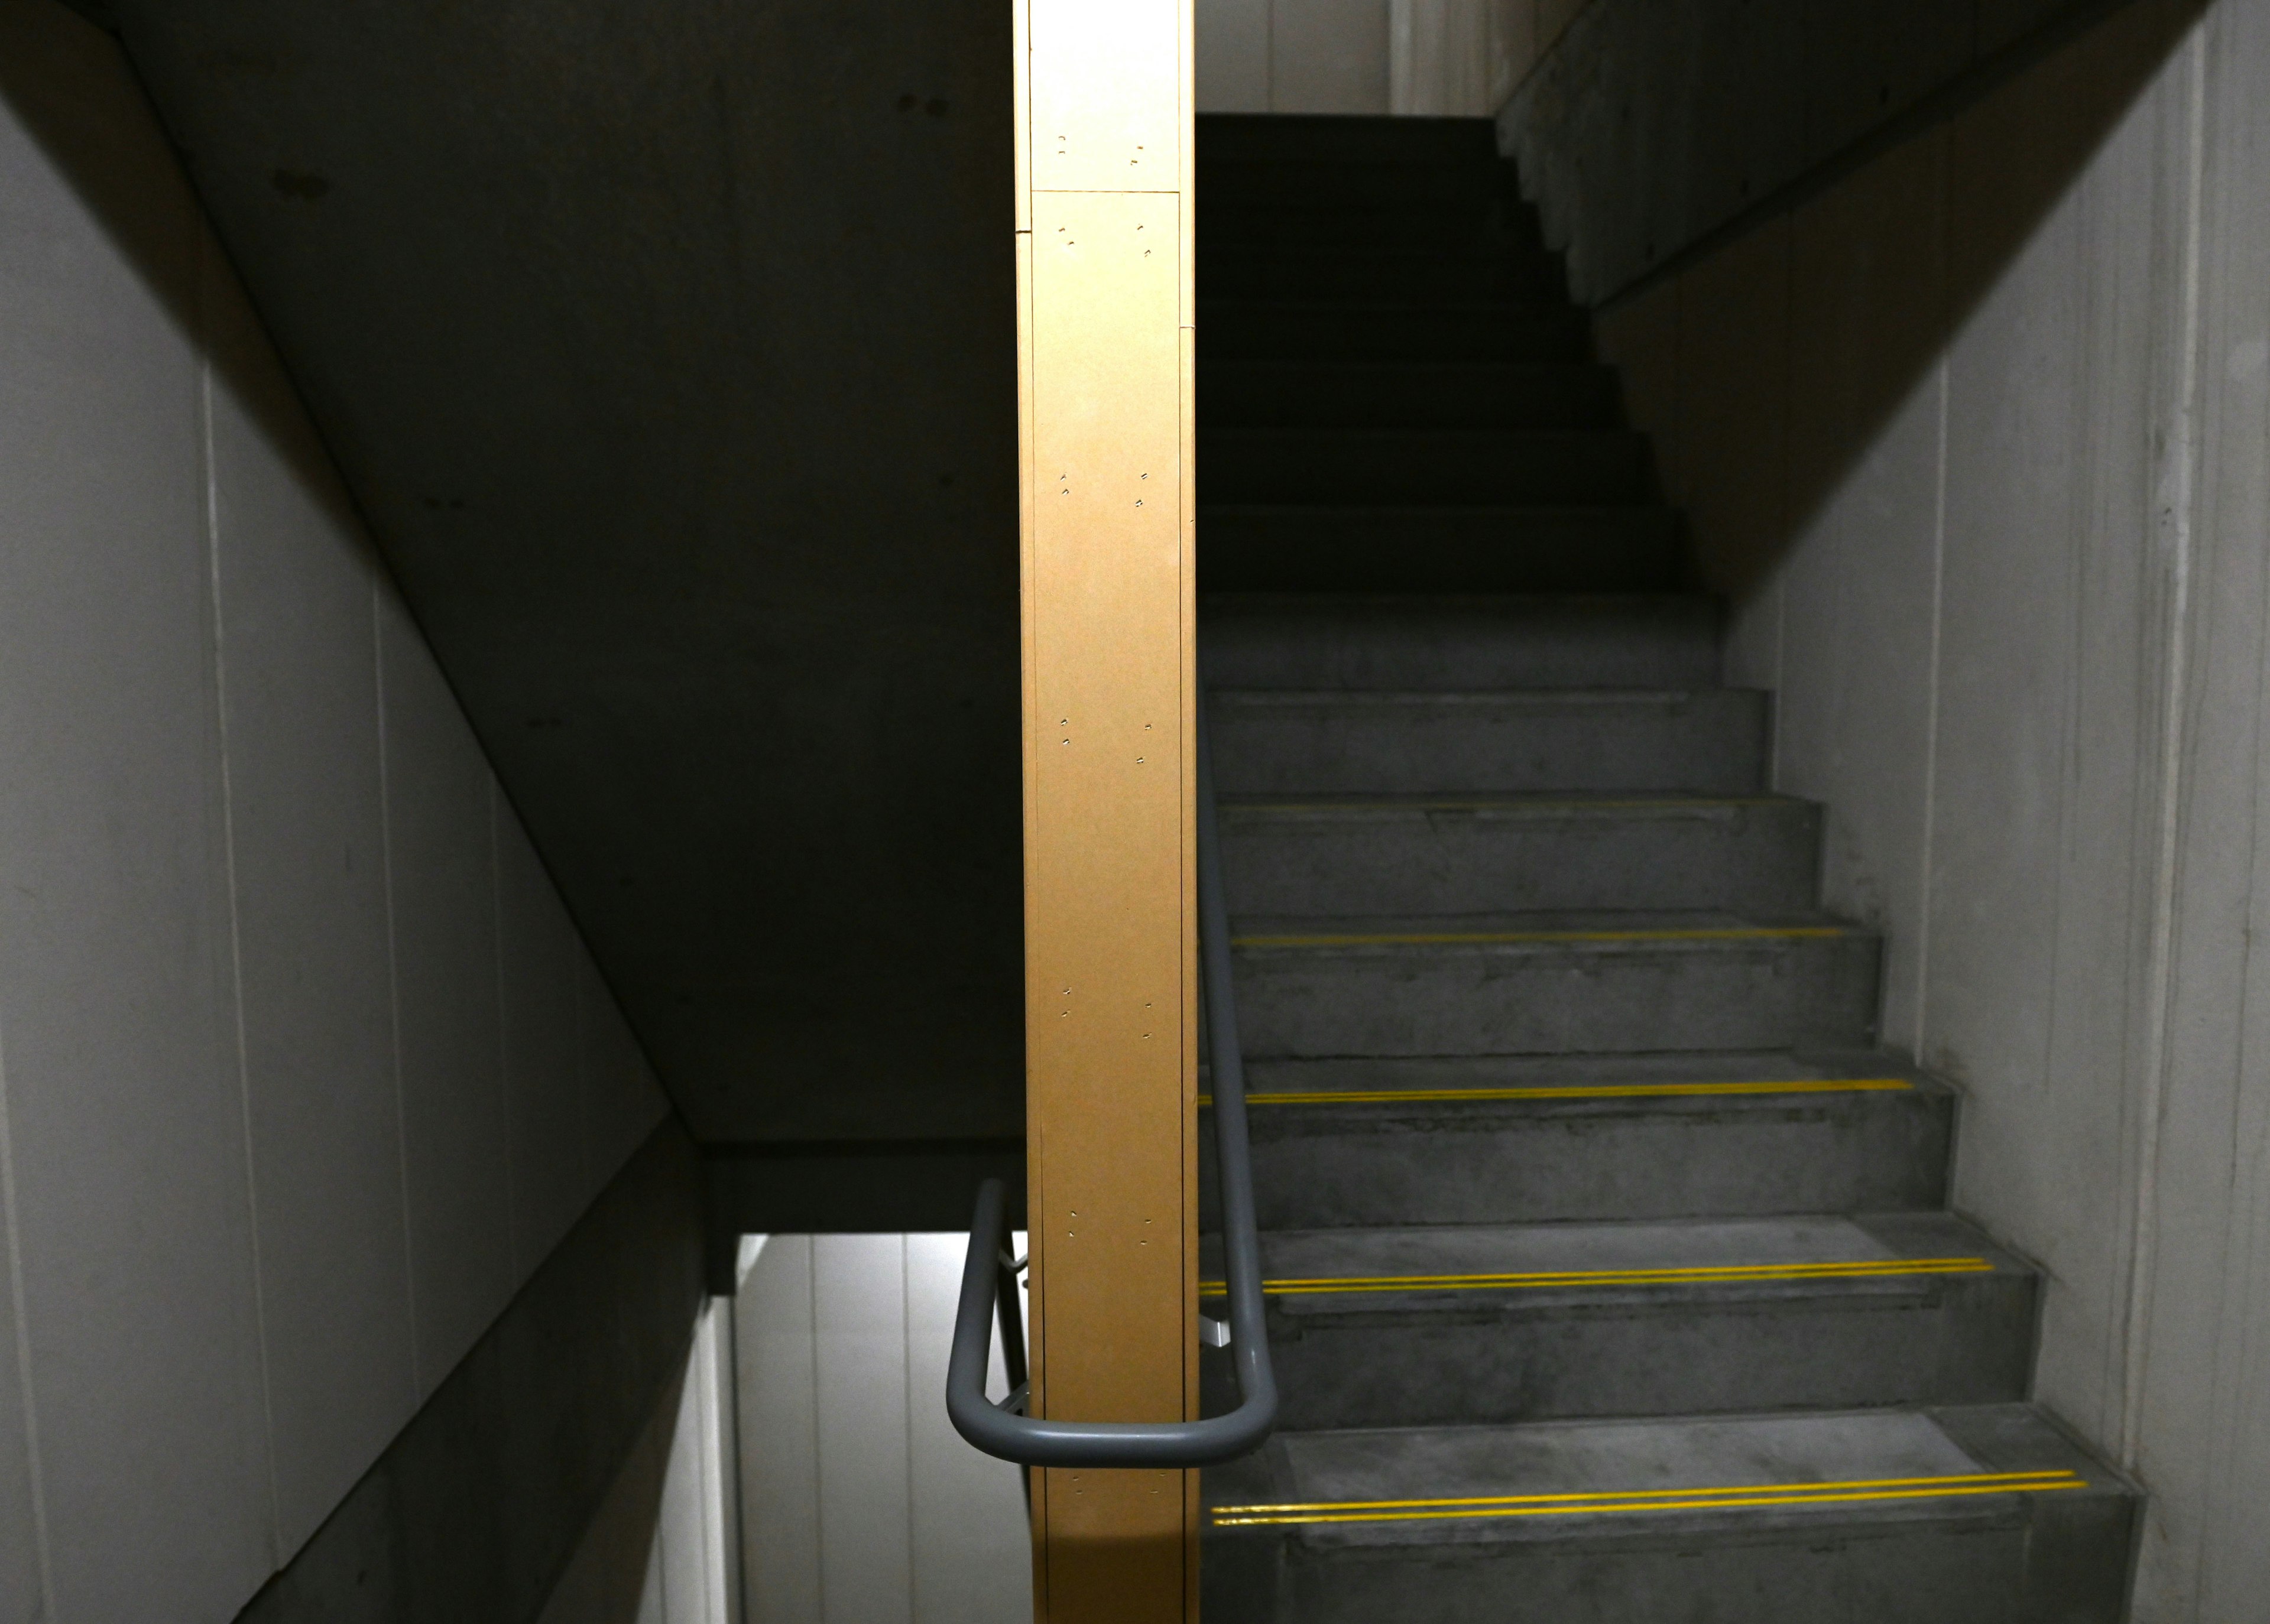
pixel 1611 1275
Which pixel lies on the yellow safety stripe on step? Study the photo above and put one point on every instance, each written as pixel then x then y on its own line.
pixel 1514 803
pixel 1711 1274
pixel 1467 939
pixel 1588 1091
pixel 1607 1501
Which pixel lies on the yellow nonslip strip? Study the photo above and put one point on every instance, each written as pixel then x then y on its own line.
pixel 1485 938
pixel 1656 1493
pixel 1602 1091
pixel 1701 1275
pixel 1700 1500
pixel 1506 804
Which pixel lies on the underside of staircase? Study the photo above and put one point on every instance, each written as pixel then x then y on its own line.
pixel 1611 1274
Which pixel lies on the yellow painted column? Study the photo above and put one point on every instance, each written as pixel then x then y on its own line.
pixel 1104 338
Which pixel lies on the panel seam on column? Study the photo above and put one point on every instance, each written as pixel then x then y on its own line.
pixel 504 1041
pixel 907 1416
pixel 2143 1225
pixel 235 933
pixel 31 1463
pixel 1931 725
pixel 586 1141
pixel 818 1472
pixel 394 983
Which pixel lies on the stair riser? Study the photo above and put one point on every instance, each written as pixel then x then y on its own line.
pixel 2051 1559
pixel 1450 645
pixel 1258 271
pixel 1777 993
pixel 1295 395
pixel 1317 1168
pixel 1709 742
pixel 1502 1358
pixel 1755 857
pixel 1600 467
pixel 1259 331
pixel 1351 550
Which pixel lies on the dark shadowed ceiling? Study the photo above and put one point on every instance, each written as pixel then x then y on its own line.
pixel 668 347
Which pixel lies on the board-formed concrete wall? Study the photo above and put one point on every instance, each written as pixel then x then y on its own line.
pixel 303 1066
pixel 570 1470
pixel 1292 56
pixel 664 1546
pixel 1653 124
pixel 1975 441
pixel 1460 58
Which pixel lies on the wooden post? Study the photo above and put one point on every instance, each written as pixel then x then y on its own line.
pixel 1104 350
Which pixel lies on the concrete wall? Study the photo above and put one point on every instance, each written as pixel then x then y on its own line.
pixel 1433 57
pixel 860 1504
pixel 1655 123
pixel 1293 56
pixel 303 1069
pixel 1465 58
pixel 664 1546
pixel 566 1472
pixel 1976 439
pixel 670 350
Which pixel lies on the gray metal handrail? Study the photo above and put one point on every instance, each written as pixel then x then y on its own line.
pixel 989 1278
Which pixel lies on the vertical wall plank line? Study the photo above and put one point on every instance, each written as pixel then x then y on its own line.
pixel 2178 474
pixel 217 642
pixel 394 982
pixel 12 1223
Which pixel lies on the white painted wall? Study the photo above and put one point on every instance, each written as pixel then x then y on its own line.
pixel 1985 434
pixel 859 1502
pixel 303 1068
pixel 1293 56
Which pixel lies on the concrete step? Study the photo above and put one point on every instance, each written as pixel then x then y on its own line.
pixel 1704 741
pixel 1407 468
pixel 1429 854
pixel 1243 184
pixel 1410 643
pixel 1968 1515
pixel 1288 547
pixel 1579 1137
pixel 1388 272
pixel 1383 394
pixel 1417 1325
pixel 1552 983
pixel 1388 331
pixel 1492 230
pixel 1246 137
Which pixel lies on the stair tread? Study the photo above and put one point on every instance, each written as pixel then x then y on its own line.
pixel 1453 1260
pixel 1580 1083
pixel 1222 305
pixel 1339 606
pixel 1539 805
pixel 1556 925
pixel 1889 1466
pixel 1482 438
pixel 1619 511
pixel 1457 642
pixel 1368 367
pixel 1440 699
